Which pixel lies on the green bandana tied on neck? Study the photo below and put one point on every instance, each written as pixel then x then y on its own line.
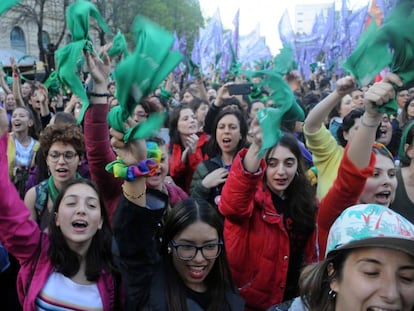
pixel 7 4
pixel 389 45
pixel 77 18
pixel 139 74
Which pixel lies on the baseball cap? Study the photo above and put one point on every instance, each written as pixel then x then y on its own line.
pixel 371 225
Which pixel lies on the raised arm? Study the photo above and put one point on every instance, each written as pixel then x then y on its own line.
pixel 379 94
pixel 17 93
pixel 320 112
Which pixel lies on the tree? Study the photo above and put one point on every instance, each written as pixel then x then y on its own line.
pixel 42 13
pixel 182 16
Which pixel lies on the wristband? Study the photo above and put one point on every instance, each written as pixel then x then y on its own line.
pixel 369 125
pixel 99 94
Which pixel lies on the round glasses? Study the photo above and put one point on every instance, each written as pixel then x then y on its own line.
pixel 187 251
pixel 68 156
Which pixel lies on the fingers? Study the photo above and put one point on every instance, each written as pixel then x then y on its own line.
pixel 380 93
pixel 393 78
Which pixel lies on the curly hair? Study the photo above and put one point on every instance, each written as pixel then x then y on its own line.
pixel 64 133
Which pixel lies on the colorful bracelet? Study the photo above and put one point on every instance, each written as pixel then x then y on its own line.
pixel 147 167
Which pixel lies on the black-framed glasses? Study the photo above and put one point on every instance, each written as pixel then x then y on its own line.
pixel 68 156
pixel 188 252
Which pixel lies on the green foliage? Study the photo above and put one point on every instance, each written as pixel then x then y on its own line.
pixel 182 16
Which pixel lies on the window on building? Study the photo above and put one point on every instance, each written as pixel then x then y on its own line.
pixel 46 40
pixel 17 40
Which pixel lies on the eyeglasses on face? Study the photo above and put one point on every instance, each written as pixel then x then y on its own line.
pixel 68 156
pixel 187 251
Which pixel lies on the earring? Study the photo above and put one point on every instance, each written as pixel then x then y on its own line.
pixel 331 294
pixel 169 250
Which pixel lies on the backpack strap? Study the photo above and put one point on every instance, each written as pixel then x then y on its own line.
pixel 42 196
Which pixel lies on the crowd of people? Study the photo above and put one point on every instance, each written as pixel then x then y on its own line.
pixel 199 218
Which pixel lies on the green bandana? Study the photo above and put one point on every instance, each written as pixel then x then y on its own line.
pixel 77 18
pixel 119 46
pixel 285 108
pixel 7 4
pixel 284 62
pixel 152 60
pixel 51 187
pixel 390 45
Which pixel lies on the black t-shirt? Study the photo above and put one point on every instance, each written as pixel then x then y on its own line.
pixel 202 299
pixel 298 239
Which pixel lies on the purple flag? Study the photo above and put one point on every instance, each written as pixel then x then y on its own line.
pixel 236 33
pixel 286 33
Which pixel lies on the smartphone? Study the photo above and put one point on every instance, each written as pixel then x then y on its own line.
pixel 240 88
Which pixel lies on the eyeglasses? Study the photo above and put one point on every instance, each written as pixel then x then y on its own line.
pixel 68 156
pixel 187 251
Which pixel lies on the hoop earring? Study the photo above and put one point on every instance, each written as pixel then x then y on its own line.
pixel 331 294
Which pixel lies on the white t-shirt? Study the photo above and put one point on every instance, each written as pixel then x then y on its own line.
pixel 61 293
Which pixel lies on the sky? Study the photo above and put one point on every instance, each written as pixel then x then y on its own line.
pixel 266 13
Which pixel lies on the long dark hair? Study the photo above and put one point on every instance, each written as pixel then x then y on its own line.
pixel 98 256
pixel 213 149
pixel 218 281
pixel 175 137
pixel 347 123
pixel 300 193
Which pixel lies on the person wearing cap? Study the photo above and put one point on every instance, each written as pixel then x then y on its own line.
pixel 367 173
pixel 369 264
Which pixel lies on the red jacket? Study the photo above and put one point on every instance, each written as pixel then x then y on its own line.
pixel 345 192
pixel 182 173
pixel 256 240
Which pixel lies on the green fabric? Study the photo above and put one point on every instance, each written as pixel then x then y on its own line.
pixel 284 62
pixel 368 58
pixel 285 107
pixel 164 94
pixel 397 31
pixel 119 46
pixel 390 45
pixel 7 4
pixel 53 84
pixel 70 56
pixel 313 66
pixel 193 69
pixel 51 188
pixel 152 60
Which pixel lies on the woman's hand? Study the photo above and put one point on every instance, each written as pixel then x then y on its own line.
pixel 132 152
pixel 378 95
pixel 99 69
pixel 345 85
pixel 215 178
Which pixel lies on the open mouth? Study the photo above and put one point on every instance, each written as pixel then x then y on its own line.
pixel 79 224
pixel 383 197
pixel 381 309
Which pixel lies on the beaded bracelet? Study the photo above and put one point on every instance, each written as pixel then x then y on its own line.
pixel 132 196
